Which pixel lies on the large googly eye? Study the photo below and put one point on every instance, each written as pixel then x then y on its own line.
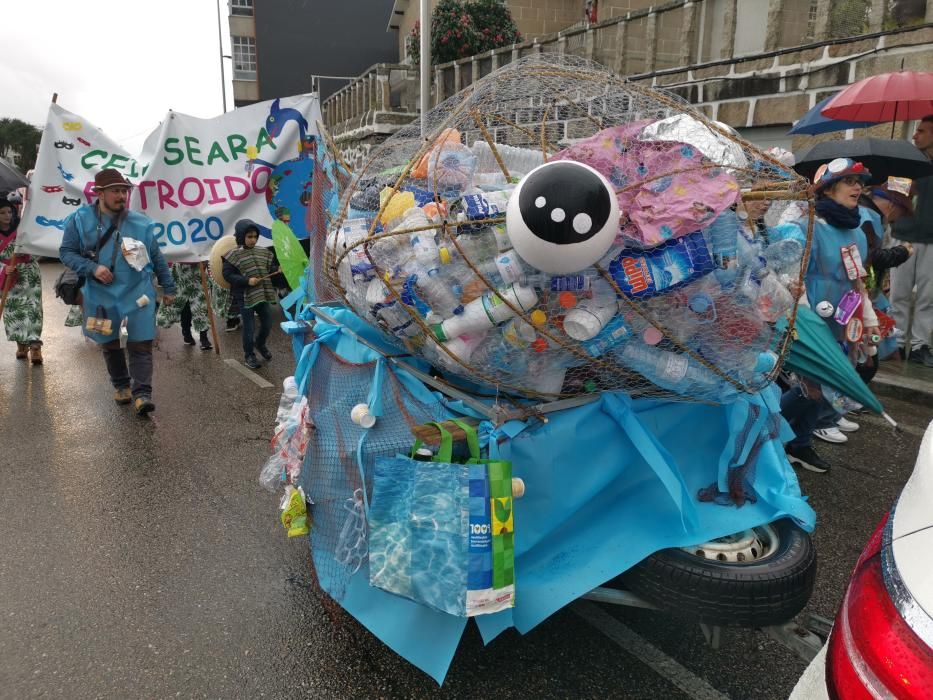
pixel 562 217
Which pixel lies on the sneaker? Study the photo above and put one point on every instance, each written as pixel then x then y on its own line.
pixel 833 435
pixel 123 395
pixel 846 425
pixel 807 458
pixel 187 340
pixel 143 405
pixel 205 342
pixel 921 356
pixel 252 362
pixel 265 353
pixel 233 324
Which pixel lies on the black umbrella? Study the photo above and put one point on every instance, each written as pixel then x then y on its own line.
pixel 883 157
pixel 10 177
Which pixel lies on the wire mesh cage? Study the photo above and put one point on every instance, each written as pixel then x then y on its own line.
pixel 559 231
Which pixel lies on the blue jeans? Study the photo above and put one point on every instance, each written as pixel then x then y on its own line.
pixel 804 415
pixel 265 326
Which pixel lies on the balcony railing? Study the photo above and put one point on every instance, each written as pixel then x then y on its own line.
pixel 639 44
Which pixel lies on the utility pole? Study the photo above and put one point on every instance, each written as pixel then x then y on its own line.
pixel 220 50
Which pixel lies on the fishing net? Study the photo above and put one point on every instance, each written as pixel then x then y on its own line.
pixel 560 231
pixel 338 464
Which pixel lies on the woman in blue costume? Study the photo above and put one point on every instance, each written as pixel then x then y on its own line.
pixel 838 186
pixel 118 270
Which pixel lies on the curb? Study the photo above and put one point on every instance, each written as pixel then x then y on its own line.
pixel 902 387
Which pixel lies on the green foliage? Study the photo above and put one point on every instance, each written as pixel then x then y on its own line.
pixel 494 24
pixel 21 137
pixel 460 29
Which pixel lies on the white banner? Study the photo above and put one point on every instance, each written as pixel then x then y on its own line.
pixel 194 178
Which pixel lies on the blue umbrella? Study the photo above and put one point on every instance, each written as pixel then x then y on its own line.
pixel 815 123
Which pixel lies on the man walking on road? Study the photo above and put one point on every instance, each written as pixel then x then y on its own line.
pixel 116 253
pixel 918 270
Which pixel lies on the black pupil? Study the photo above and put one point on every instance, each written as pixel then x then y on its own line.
pixel 564 203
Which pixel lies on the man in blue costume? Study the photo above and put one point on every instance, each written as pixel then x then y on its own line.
pixel 115 251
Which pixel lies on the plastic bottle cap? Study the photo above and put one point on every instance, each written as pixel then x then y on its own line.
pixel 589 385
pixel 444 255
pixel 652 336
pixel 538 317
pixel 700 303
pixel 539 345
pixel 567 300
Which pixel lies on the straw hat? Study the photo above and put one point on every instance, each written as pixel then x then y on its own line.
pixel 216 264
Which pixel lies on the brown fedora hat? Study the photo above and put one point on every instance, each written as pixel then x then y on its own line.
pixel 110 178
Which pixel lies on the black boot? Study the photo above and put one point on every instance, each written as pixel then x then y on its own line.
pixel 205 341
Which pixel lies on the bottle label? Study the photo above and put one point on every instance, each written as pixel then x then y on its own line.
pixel 675 368
pixel 668 266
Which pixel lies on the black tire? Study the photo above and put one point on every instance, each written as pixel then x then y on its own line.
pixel 768 591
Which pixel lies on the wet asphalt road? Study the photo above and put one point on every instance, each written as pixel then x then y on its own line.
pixel 141 558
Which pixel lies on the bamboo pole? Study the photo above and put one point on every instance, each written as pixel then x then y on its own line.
pixel 210 309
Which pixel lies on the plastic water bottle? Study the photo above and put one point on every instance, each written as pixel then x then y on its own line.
pixel 480 249
pixel 783 257
pixel 672 371
pixel 749 257
pixel 438 292
pixel 546 371
pixel 722 237
pixel 509 266
pixel 384 306
pixel 507 351
pixel 487 311
pixel 559 283
pixel 461 347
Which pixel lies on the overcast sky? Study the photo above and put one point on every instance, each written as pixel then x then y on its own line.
pixel 120 65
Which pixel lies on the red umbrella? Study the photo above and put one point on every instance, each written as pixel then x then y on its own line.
pixel 889 97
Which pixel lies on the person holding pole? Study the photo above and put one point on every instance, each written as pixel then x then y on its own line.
pixel 115 251
pixel 21 289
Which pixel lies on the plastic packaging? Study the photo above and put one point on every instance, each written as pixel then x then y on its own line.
pixel 287 401
pixel 783 257
pixel 450 168
pixel 722 236
pixel 352 546
pixel 668 266
pixel 294 512
pixel 386 309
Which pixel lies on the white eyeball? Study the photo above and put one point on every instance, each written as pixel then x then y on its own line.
pixel 562 217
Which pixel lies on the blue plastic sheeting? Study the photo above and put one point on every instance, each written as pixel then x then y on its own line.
pixel 607 484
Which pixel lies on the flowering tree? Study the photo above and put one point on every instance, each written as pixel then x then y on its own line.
pixel 460 29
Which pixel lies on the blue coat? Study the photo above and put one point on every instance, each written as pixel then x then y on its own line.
pixel 118 300
pixel 826 278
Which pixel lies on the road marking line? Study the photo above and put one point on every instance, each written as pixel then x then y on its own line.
pixel 246 372
pixel 636 645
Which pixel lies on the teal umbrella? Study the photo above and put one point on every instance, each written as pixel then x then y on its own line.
pixel 816 354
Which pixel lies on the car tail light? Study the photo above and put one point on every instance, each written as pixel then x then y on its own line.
pixel 872 652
